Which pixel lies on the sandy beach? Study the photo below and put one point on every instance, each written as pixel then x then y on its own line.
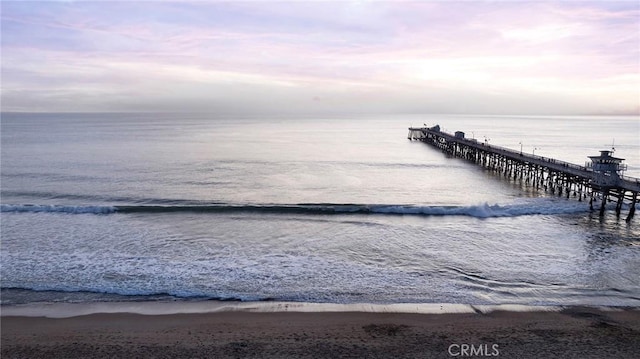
pixel 576 332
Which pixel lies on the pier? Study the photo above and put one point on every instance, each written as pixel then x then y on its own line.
pixel 600 179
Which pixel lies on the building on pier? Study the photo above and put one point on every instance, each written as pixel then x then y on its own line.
pixel 607 170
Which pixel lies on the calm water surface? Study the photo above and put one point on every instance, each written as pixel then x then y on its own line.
pixel 102 207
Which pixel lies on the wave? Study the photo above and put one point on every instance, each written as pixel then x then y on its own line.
pixel 36 208
pixel 478 211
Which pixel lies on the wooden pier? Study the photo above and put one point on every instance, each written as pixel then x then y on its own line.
pixel 601 179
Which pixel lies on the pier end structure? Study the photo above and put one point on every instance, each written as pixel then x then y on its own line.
pixel 606 176
pixel 601 177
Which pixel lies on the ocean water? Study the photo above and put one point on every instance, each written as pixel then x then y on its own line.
pixel 119 207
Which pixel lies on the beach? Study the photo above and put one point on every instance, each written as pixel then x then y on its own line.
pixel 326 179
pixel 283 247
pixel 570 332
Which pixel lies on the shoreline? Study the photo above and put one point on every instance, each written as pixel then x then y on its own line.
pixel 313 330
pixel 68 310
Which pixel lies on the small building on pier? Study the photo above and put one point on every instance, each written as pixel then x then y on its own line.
pixel 606 169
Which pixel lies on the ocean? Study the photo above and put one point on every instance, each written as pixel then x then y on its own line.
pixel 191 207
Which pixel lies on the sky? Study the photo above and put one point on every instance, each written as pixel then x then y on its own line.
pixel 469 57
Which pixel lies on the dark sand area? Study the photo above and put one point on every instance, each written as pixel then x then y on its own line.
pixel 576 332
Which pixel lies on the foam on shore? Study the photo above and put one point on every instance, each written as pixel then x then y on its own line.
pixel 67 310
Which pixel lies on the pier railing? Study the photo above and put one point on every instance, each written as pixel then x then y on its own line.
pixel 513 154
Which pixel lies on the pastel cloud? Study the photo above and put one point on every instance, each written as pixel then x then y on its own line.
pixel 495 57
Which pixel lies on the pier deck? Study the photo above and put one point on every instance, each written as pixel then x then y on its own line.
pixel 542 172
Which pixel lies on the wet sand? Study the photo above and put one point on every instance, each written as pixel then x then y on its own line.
pixel 574 332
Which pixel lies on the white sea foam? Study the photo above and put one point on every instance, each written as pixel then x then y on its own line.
pixel 479 211
pixel 68 310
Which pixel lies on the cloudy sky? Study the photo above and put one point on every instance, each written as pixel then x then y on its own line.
pixel 499 57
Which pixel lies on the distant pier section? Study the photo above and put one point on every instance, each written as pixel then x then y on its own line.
pixel 600 179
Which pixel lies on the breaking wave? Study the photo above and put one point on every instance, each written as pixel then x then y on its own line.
pixel 478 211
pixel 36 208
